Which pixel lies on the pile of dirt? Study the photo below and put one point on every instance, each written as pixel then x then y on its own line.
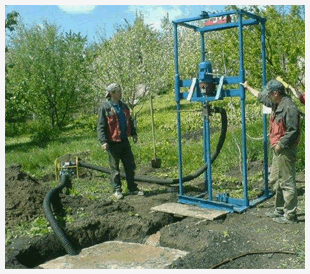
pixel 132 220
pixel 94 221
pixel 23 196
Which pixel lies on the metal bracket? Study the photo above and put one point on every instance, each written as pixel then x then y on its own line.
pixel 219 88
pixel 191 90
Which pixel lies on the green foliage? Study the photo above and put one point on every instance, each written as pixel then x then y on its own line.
pixel 53 75
pixel 133 56
pixel 286 43
pixel 300 162
pixel 47 76
pixel 11 20
pixel 37 227
pixel 42 132
pixel 86 122
pixel 15 129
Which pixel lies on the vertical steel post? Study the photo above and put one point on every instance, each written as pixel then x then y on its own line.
pixel 207 151
pixel 205 147
pixel 177 99
pixel 202 47
pixel 205 126
pixel 243 121
pixel 264 81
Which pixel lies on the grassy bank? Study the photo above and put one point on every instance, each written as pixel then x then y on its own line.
pixel 80 138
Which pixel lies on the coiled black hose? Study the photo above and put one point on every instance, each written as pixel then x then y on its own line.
pixel 47 203
pixel 187 178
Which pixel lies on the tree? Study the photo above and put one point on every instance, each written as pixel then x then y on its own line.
pixel 11 22
pixel 47 76
pixel 12 112
pixel 285 45
pixel 133 56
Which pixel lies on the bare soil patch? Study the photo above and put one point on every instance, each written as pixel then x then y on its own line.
pixel 131 219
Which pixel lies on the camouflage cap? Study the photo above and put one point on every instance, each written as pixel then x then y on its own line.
pixel 273 85
pixel 111 88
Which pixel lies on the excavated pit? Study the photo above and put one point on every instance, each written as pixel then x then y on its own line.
pixel 132 221
pixel 96 222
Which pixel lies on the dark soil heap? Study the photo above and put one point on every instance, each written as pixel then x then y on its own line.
pixel 23 196
pixel 132 220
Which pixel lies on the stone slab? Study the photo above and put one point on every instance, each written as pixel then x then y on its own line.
pixel 190 211
pixel 117 255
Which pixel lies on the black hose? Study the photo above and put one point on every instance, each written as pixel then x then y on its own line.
pixel 65 181
pixel 187 178
pixel 50 196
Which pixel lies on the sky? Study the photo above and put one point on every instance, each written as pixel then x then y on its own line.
pixel 91 19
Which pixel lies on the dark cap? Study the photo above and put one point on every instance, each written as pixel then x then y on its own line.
pixel 273 85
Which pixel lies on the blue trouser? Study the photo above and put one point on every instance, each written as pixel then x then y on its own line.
pixel 121 151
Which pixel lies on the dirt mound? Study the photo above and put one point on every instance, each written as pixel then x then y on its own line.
pixel 23 196
pixel 132 220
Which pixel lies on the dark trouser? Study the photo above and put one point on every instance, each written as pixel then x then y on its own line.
pixel 122 151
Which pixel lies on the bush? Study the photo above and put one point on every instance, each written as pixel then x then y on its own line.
pixel 86 122
pixel 17 128
pixel 42 132
pixel 301 152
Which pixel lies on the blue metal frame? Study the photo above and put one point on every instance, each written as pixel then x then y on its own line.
pixel 223 202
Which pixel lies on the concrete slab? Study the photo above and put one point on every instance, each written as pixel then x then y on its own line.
pixel 190 211
pixel 117 255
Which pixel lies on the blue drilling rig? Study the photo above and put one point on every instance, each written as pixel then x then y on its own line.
pixel 208 87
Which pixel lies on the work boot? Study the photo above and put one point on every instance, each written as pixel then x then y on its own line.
pixel 136 192
pixel 274 214
pixel 284 220
pixel 118 195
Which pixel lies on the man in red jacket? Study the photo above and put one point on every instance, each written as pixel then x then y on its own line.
pixel 115 125
pixel 284 138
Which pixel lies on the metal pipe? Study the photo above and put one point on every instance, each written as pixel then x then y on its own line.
pixel 177 92
pixel 207 152
pixel 243 120
pixel 202 47
pixel 202 54
pixel 263 40
pixel 197 18
pixel 181 191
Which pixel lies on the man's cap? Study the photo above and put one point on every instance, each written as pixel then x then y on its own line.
pixel 273 85
pixel 111 88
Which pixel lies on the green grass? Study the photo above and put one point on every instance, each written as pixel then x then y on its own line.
pixel 38 159
pixel 37 227
pixel 80 139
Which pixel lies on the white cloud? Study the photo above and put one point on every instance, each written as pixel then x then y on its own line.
pixel 154 14
pixel 77 8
